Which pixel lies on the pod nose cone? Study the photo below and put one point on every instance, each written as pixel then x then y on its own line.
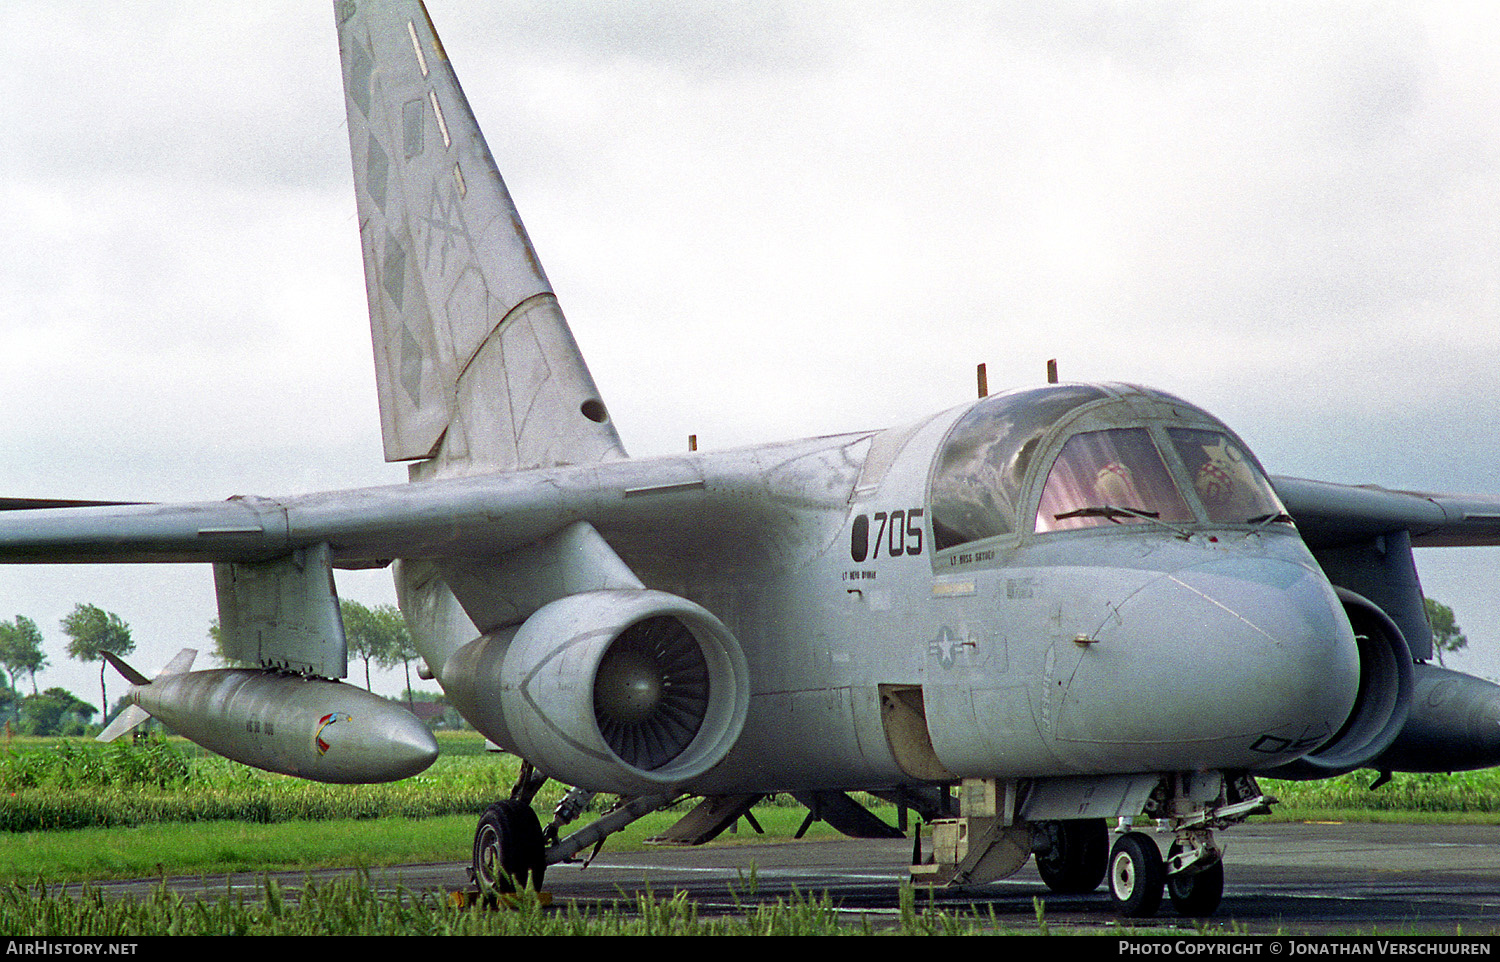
pixel 1218 658
pixel 412 748
pixel 381 746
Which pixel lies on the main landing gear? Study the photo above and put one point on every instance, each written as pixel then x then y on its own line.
pixel 512 850
pixel 508 849
pixel 1073 856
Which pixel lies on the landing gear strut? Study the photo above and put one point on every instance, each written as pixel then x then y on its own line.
pixel 512 851
pixel 1192 806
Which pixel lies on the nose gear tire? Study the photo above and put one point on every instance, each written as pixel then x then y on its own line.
pixel 1136 875
pixel 1197 895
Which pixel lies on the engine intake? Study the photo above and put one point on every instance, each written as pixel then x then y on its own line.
pixel 1381 707
pixel 630 691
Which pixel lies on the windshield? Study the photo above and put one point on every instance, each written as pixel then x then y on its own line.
pixel 1109 477
pixel 1226 480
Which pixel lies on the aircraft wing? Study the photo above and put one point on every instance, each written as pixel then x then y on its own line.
pixel 271 557
pixel 465 516
pixel 1329 515
pixel 684 501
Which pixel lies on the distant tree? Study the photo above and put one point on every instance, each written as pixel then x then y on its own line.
pixel 55 711
pixel 374 634
pixel 1446 635
pixel 216 635
pixel 93 631
pixel 401 650
pixel 21 651
pixel 10 704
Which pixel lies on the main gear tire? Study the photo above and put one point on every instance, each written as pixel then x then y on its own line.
pixel 1078 857
pixel 509 853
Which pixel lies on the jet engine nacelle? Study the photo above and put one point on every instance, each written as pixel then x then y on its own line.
pixel 1386 683
pixel 630 691
pixel 1454 725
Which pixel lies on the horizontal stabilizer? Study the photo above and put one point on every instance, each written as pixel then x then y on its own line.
pixel 133 715
pixel 181 663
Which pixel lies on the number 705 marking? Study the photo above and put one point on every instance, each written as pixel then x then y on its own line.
pixel 898 532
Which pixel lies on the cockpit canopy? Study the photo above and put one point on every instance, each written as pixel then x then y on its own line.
pixel 1088 455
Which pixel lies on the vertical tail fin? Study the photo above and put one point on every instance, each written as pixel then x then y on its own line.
pixel 476 366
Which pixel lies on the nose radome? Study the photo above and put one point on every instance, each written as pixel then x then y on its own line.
pixel 1221 655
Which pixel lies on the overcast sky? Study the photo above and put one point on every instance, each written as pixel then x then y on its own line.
pixel 764 221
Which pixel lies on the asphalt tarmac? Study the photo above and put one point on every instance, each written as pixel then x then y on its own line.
pixel 1279 878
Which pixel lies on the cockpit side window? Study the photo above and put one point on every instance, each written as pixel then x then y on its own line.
pixel 1115 476
pixel 982 465
pixel 1233 490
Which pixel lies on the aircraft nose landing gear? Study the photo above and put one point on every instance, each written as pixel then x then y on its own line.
pixel 1193 877
pixel 1136 875
pixel 1195 882
pixel 1192 806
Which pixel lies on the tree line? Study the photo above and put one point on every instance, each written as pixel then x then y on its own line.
pixel 91 631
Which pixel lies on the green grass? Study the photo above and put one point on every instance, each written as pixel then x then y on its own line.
pixel 216 848
pixel 75 811
pixel 353 907
pixel 1474 794
pixel 72 810
pixel 74 785
pixel 85 812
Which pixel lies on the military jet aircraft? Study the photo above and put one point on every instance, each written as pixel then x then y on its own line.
pixel 1027 619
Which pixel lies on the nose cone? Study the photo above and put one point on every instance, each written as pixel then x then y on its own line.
pixel 382 745
pixel 1235 662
